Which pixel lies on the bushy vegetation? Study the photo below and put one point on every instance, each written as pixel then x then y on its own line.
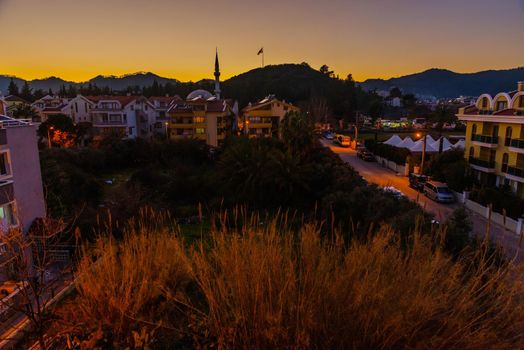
pixel 502 200
pixel 450 167
pixel 264 285
pixel 185 177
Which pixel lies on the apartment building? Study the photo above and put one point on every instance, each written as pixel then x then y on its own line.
pixel 3 106
pixel 126 116
pixel 263 118
pixel 13 102
pixel 51 105
pixel 201 116
pixel 495 139
pixel 161 105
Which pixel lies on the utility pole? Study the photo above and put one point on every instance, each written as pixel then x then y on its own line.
pixel 423 155
pixel 49 136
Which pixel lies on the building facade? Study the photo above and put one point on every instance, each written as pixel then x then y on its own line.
pixel 202 115
pixel 264 118
pixel 495 139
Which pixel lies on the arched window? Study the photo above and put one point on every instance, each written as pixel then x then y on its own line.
pixel 507 141
pixel 485 102
pixel 505 160
pixel 473 131
pixel 471 152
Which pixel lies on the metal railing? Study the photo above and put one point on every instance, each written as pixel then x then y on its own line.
pixel 485 139
pixel 489 164
pixel 518 172
pixel 517 143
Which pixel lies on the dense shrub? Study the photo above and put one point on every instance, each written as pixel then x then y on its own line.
pixel 450 167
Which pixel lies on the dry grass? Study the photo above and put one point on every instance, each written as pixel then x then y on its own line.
pixel 264 288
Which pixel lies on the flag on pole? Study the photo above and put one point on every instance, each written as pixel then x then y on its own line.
pixel 261 51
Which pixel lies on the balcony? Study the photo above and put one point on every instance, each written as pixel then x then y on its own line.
pixel 485 140
pixel 514 173
pixel 486 166
pixel 517 145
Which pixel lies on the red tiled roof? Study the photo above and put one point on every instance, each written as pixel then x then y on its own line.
pixel 124 100
pixel 508 111
pixel 471 110
pixel 167 99
pixel 14 98
pixel 214 106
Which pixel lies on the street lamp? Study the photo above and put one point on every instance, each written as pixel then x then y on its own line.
pixel 167 131
pixel 49 136
pixel 423 152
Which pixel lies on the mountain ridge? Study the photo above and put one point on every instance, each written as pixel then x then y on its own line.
pixel 437 82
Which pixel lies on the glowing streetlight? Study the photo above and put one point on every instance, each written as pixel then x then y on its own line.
pixel 167 131
pixel 49 136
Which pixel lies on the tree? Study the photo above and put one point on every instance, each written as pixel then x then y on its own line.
pixel 409 100
pixel 61 128
pixel 298 133
pixel 458 232
pixel 324 69
pixel 12 88
pixel 25 111
pixel 27 92
pixel 395 92
pixel 39 272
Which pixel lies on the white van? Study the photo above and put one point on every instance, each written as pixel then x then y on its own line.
pixel 438 192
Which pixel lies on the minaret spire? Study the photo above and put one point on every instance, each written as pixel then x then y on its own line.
pixel 217 76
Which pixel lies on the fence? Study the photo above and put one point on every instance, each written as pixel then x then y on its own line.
pixel 401 169
pixel 510 224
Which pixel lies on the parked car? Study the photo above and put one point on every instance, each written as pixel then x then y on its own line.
pixel 417 181
pixel 438 192
pixel 342 140
pixel 328 135
pixel 393 191
pixel 366 155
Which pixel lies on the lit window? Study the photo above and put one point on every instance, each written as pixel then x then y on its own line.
pixel 7 215
pixel 200 131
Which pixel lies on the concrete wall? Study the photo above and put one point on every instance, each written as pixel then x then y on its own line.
pixel 401 169
pixel 515 226
pixel 27 179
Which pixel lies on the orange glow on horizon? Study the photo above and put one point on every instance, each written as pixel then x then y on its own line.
pixel 78 40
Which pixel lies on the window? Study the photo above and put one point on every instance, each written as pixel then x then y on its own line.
pixel 509 131
pixel 501 105
pixel 200 131
pixel 505 160
pixel 85 107
pixel 473 131
pixel 7 215
pixel 485 102
pixel 521 102
pixel 76 107
pixel 4 164
pixel 471 152
pixel 198 120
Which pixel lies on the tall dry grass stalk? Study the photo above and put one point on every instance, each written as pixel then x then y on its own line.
pixel 262 287
pixel 119 282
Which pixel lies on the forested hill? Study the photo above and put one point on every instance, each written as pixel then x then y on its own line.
pixel 443 83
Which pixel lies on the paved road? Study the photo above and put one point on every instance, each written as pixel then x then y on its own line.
pixel 375 173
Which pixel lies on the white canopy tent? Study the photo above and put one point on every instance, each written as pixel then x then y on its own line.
pixel 419 146
pixel 446 144
pixel 393 140
pixel 459 144
pixel 429 140
pixel 406 143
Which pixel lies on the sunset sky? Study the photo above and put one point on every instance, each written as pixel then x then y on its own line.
pixel 78 39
